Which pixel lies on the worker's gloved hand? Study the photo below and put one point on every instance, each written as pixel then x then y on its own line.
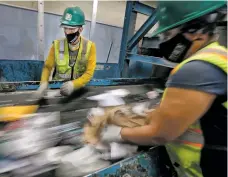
pixel 67 88
pixel 41 91
pixel 111 134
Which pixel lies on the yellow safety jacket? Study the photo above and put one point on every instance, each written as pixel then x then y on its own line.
pixel 58 58
pixel 63 70
pixel 186 149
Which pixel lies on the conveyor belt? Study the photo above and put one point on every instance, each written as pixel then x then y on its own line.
pixel 18 97
pixel 76 107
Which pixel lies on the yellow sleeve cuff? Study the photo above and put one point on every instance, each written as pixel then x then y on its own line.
pixel 48 65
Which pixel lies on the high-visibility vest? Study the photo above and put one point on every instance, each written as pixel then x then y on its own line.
pixel 186 149
pixel 63 70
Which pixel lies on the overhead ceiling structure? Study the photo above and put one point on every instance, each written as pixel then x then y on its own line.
pixel 131 39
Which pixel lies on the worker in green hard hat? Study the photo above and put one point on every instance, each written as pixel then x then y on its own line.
pixel 191 119
pixel 71 59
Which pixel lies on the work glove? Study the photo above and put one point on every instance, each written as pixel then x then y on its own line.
pixel 115 151
pixel 67 88
pixel 111 134
pixel 41 91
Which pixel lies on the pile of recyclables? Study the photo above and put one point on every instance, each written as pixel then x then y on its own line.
pixel 38 144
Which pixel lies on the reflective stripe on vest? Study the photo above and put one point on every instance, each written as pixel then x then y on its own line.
pixel 63 70
pixel 217 57
pixel 186 149
pixel 61 49
pixel 220 61
pixel 192 137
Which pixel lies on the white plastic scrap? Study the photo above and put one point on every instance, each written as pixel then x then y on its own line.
pixel 110 98
pixel 95 112
pixel 152 94
pixel 140 108
pixel 119 92
pixel 81 162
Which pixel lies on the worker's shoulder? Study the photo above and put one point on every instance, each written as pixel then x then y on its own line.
pixel 85 39
pixel 200 67
pixel 199 75
pixel 199 70
pixel 59 39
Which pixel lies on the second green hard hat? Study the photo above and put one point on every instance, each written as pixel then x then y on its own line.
pixel 174 13
pixel 73 16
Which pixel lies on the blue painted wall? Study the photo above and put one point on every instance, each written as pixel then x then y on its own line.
pixel 20 70
pixel 30 70
pixel 18 36
pixel 106 70
pixel 139 70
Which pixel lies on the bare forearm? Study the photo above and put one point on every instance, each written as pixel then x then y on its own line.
pixel 149 134
pixel 179 109
pixel 144 135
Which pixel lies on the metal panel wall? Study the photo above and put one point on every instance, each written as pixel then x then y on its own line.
pixel 107 39
pixel 19 42
pixel 30 70
pixel 129 65
pixel 18 35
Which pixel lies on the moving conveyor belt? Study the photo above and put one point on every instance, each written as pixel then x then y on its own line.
pixel 76 106
pixel 146 163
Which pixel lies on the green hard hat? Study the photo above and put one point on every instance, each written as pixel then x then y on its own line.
pixel 171 14
pixel 73 16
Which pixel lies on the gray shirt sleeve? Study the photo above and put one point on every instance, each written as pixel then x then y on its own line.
pixel 200 75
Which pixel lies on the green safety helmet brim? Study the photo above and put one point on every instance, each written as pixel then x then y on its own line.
pixel 73 16
pixel 171 14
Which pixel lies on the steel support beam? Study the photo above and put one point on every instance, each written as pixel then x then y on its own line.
pixel 128 32
pixel 151 60
pixel 143 8
pixel 40 25
pixel 144 29
pixel 128 50
pixel 94 16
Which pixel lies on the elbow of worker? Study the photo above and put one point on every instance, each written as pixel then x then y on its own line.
pixel 156 134
pixel 167 137
pixel 159 141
